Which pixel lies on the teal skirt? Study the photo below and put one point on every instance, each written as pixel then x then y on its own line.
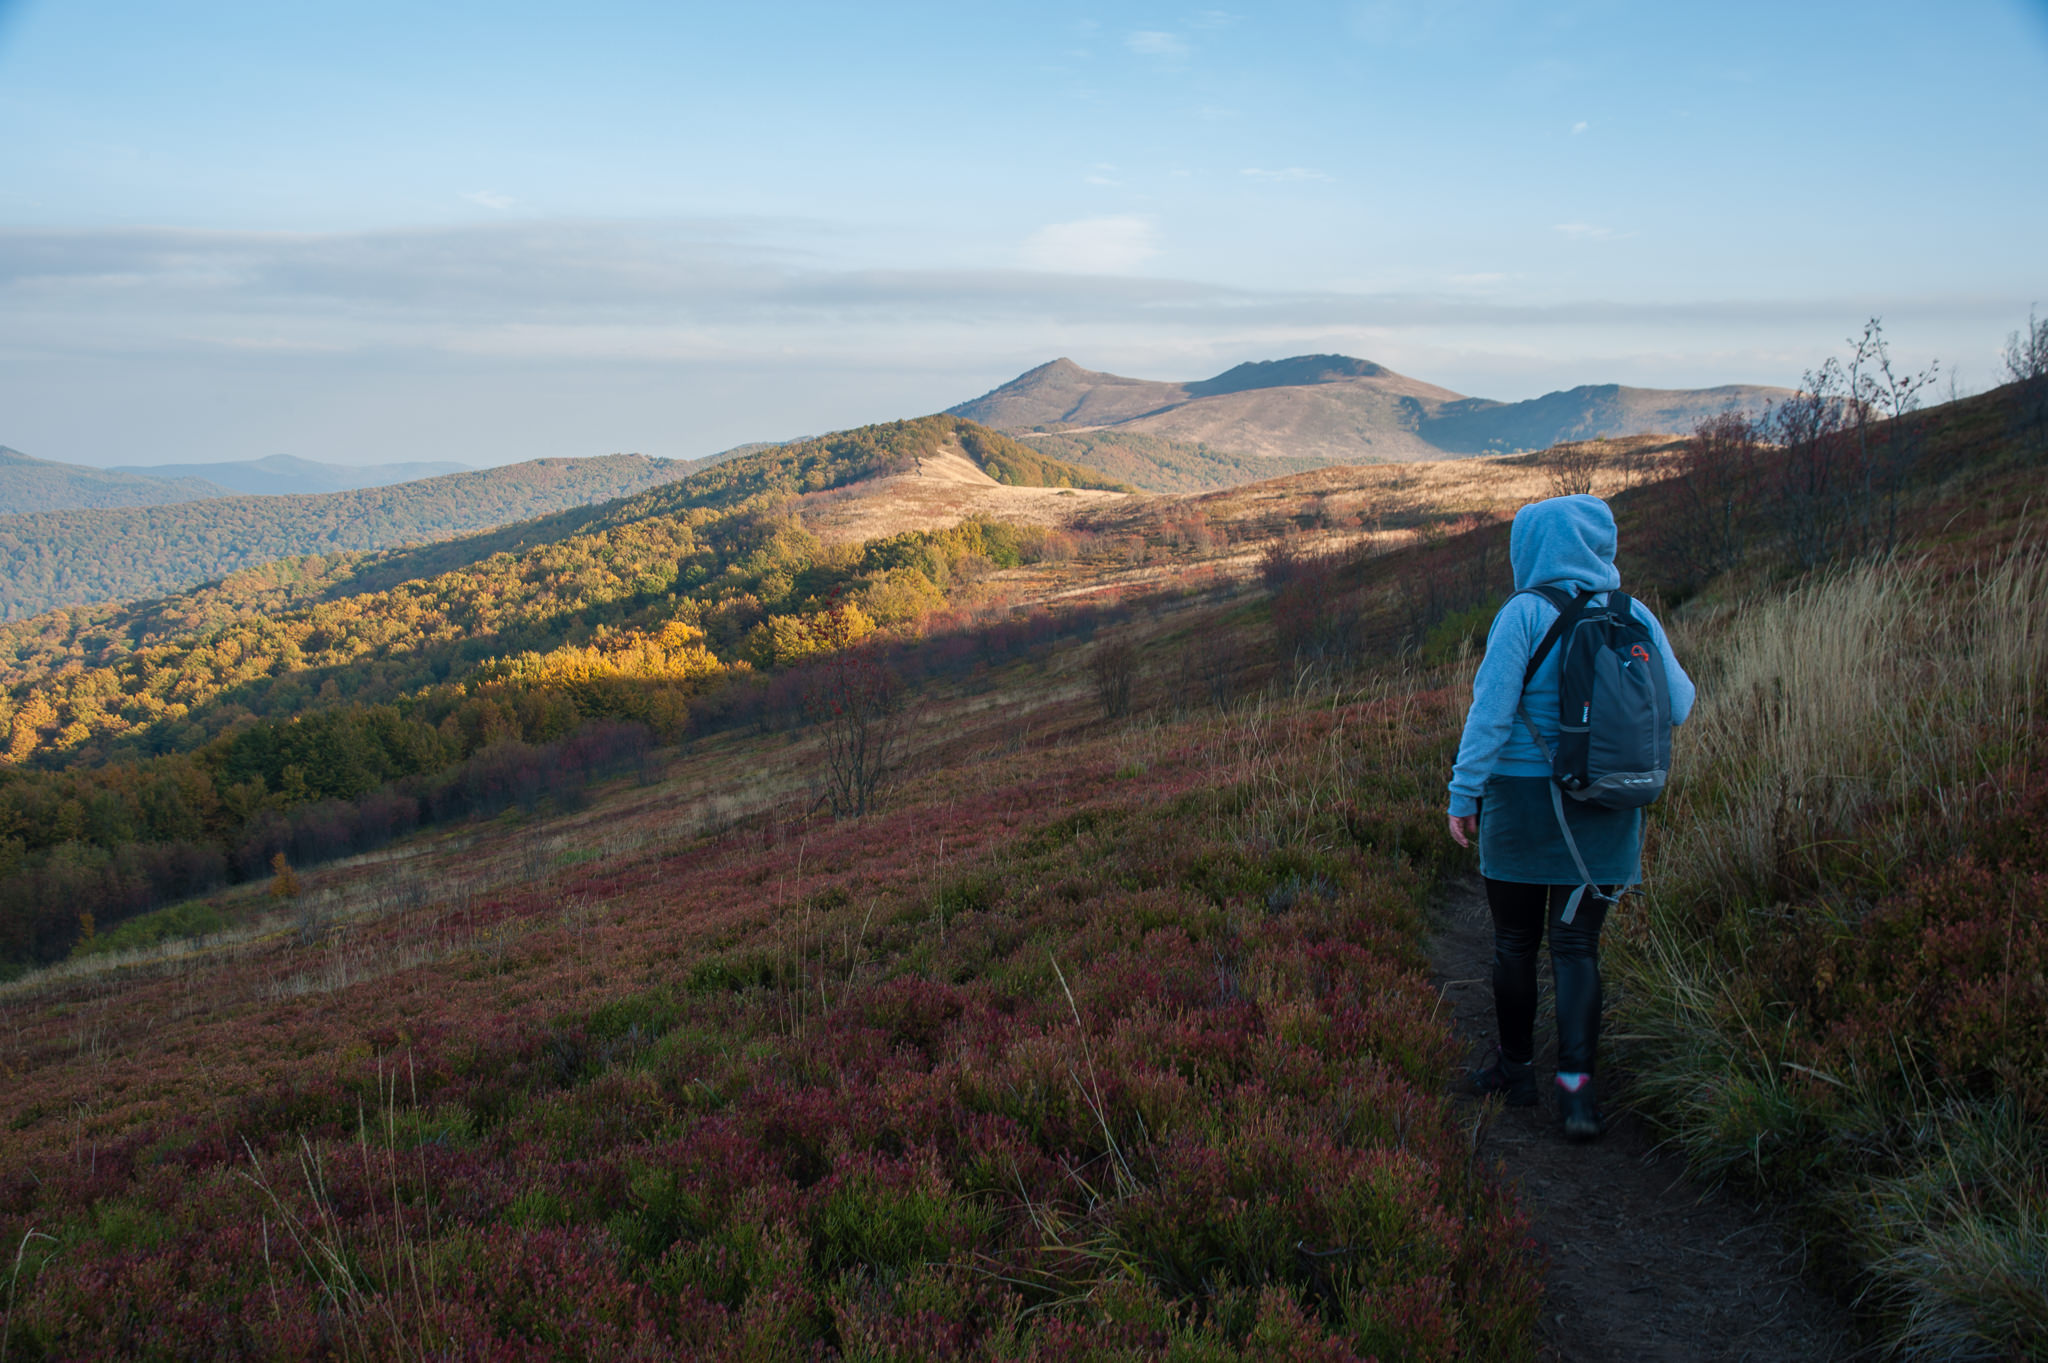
pixel 1519 839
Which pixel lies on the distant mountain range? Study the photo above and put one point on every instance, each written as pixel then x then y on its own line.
pixel 1332 409
pixel 123 553
pixel 30 484
pixel 284 474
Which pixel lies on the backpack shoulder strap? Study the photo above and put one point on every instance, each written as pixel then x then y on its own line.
pixel 1569 609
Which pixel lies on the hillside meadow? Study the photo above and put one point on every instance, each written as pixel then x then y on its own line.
pixel 1107 1032
pixel 1100 1041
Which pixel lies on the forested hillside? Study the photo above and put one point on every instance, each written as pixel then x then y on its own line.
pixel 78 557
pixel 299 690
pixel 28 484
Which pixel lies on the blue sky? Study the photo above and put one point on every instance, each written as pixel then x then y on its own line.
pixel 497 231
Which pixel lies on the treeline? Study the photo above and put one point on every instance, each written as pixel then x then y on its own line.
pixel 1157 464
pixel 81 556
pixel 1018 464
pixel 173 835
pixel 889 447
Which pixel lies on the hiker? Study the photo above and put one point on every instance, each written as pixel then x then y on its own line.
pixel 1550 861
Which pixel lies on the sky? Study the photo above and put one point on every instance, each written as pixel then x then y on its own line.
pixel 494 231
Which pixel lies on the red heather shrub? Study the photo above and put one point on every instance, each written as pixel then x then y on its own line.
pixel 1949 974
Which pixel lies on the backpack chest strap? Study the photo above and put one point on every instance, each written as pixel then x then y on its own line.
pixel 1569 609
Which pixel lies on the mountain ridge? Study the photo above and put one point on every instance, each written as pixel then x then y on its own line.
pixel 1337 409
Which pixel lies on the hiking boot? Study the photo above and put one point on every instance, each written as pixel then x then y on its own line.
pixel 1514 1080
pixel 1579 1113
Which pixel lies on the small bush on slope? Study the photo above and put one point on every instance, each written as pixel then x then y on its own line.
pixel 1048 1062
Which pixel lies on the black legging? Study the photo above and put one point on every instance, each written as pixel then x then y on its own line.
pixel 1520 913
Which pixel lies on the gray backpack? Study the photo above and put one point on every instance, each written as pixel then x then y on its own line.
pixel 1613 709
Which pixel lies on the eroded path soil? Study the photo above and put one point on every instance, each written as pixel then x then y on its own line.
pixel 1644 1265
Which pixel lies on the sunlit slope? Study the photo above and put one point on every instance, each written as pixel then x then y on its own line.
pixel 720 552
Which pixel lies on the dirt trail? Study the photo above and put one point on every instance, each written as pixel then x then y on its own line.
pixel 1645 1267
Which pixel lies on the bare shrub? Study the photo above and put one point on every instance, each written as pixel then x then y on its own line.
pixel 859 708
pixel 1718 484
pixel 1638 465
pixel 1281 563
pixel 2026 364
pixel 1571 467
pixel 1847 451
pixel 1209 665
pixel 1114 670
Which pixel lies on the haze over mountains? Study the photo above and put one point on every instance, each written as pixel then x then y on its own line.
pixel 29 484
pixel 284 474
pixel 1338 409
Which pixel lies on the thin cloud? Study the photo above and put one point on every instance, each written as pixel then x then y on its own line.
pixel 1213 18
pixel 1579 127
pixel 1111 245
pixel 489 198
pixel 695 290
pixel 1286 174
pixel 1147 42
pixel 1585 231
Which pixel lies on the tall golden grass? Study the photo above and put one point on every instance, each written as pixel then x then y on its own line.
pixel 1845 732
pixel 1854 720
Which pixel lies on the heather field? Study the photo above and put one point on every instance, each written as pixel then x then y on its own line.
pixel 1101 1041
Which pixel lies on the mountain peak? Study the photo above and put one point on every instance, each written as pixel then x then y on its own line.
pixel 1289 373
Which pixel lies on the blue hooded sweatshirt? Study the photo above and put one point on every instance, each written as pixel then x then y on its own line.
pixel 1565 542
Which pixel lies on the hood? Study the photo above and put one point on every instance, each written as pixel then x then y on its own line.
pixel 1564 542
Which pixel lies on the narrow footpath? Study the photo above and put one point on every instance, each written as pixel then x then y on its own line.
pixel 1645 1266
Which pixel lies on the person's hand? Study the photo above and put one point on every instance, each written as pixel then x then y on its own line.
pixel 1464 828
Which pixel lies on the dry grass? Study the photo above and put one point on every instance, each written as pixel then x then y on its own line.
pixel 1845 734
pixel 1868 708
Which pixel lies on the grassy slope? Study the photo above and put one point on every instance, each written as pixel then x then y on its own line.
pixel 1108 1041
